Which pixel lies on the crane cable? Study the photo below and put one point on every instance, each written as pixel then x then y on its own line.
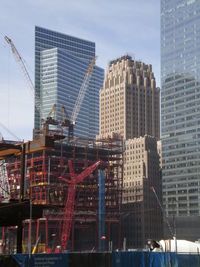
pixel 8 131
pixel 161 207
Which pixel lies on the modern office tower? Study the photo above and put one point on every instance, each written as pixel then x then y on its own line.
pixel 61 62
pixel 142 218
pixel 129 101
pixel 180 109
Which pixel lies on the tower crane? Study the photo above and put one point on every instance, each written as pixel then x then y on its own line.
pixel 66 121
pixel 20 61
pixel 82 91
pixel 71 121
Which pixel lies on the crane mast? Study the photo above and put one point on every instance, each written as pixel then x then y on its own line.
pixel 20 61
pixel 82 91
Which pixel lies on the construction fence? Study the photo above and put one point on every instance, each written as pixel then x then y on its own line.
pixel 112 259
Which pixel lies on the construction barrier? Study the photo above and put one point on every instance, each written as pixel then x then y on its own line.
pixel 144 259
pixel 7 261
pixel 42 260
pixel 115 259
pixel 189 260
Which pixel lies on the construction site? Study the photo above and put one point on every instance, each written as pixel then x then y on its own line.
pixel 75 187
pixel 59 192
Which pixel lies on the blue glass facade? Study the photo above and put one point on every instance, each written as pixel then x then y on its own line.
pixel 180 109
pixel 61 62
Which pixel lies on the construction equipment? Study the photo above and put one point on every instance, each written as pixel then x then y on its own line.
pixel 71 121
pixel 20 61
pixel 67 122
pixel 69 206
pixel 82 91
pixel 50 120
pixel 36 245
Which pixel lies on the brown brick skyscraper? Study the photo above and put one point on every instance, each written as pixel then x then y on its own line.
pixel 130 101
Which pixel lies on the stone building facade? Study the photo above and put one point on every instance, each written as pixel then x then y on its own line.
pixel 130 101
pixel 142 213
pixel 130 107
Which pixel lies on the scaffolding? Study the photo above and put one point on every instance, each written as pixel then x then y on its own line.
pixel 97 199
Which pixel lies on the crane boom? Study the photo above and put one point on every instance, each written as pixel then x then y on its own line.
pixel 82 91
pixel 69 205
pixel 20 61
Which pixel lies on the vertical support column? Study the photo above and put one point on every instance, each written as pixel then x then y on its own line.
pixel 22 173
pixel 49 178
pixel 21 198
pixel 119 232
pixel 38 229
pixel 43 197
pixel 46 232
pixel 102 210
pixel 19 234
pixel 120 178
pixel 43 166
pixel 29 237
pixel 3 240
pixel 143 222
pixel 72 246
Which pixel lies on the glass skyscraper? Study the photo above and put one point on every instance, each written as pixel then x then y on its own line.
pixel 61 62
pixel 180 113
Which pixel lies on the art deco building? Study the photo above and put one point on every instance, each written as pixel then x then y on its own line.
pixel 61 63
pixel 129 100
pixel 129 106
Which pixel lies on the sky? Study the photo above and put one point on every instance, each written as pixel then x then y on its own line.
pixel 117 27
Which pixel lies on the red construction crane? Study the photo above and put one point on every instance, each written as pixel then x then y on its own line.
pixel 70 201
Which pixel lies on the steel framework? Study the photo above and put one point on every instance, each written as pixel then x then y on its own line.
pixel 77 200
